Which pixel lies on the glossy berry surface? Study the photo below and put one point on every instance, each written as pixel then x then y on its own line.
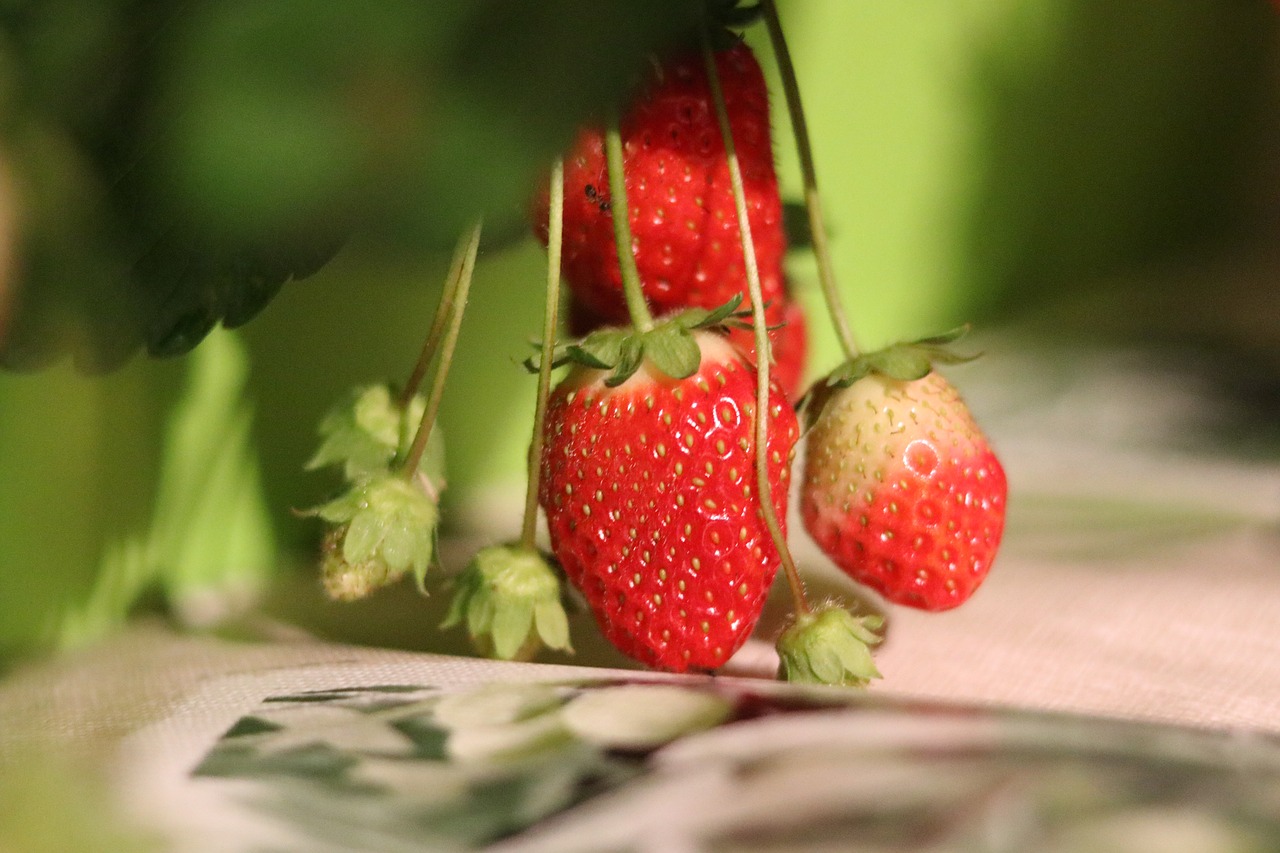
pixel 902 490
pixel 685 235
pixel 652 507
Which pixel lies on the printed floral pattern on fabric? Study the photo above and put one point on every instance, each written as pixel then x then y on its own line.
pixel 718 764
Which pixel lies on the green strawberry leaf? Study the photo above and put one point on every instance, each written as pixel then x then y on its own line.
pixel 559 356
pixel 552 624
pixel 831 646
pixel 669 346
pixel 945 339
pixel 511 626
pixel 595 354
pixel 509 598
pixel 361 433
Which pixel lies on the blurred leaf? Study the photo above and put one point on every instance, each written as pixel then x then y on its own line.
pixel 79 462
pixel 209 545
pixel 176 166
pixel 795 223
pixel 211 538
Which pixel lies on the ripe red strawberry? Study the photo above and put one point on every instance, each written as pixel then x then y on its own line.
pixel 686 239
pixel 651 501
pixel 902 490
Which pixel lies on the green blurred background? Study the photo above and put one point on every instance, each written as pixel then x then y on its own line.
pixel 1057 169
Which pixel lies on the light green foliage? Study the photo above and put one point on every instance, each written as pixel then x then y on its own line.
pixel 210 546
pixel 123 495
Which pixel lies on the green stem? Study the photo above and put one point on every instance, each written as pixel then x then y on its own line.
pixel 447 345
pixel 443 311
pixel 555 231
pixel 812 200
pixel 759 325
pixel 637 308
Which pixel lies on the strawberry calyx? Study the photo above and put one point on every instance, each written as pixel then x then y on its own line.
pixel 829 645
pixel 508 597
pixel 669 346
pixel 904 361
pixel 384 526
pixel 369 431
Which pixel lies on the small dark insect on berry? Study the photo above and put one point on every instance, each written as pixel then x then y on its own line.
pixel 594 196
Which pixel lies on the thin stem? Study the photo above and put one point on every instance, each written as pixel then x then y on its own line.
pixel 637 308
pixel 443 311
pixel 555 230
pixel 419 446
pixel 812 200
pixel 758 322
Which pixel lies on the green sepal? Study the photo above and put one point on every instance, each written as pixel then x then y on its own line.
pixel 905 361
pixel 631 355
pixel 829 646
pixel 702 318
pixel 600 350
pixel 362 433
pixel 509 599
pixel 369 431
pixel 669 346
pixel 389 528
pixel 671 349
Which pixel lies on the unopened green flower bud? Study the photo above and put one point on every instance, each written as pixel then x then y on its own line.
pixel 384 527
pixel 829 646
pixel 509 598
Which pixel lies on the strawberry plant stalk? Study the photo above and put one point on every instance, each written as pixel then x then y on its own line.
pixel 759 325
pixel 555 229
pixel 414 455
pixel 632 290
pixel 812 199
pixel 443 312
